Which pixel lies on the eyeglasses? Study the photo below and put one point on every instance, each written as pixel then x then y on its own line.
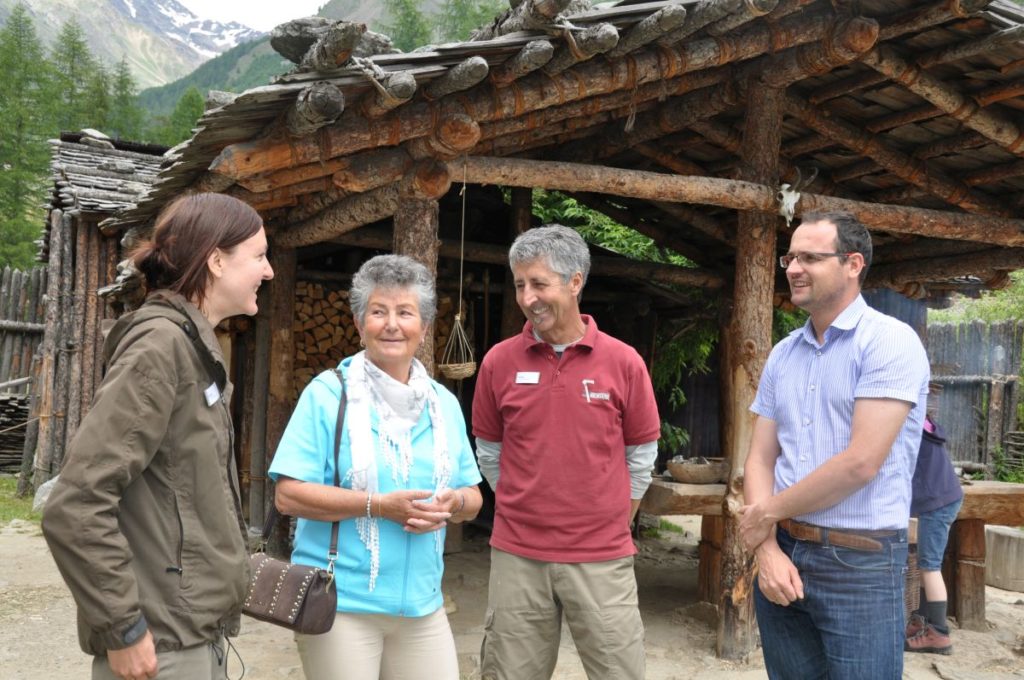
pixel 807 258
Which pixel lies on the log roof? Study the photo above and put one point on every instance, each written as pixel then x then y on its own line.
pixel 93 174
pixel 907 111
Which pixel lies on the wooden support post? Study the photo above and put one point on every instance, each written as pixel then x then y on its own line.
pixel 746 342
pixel 964 573
pixel 522 211
pixel 709 566
pixel 281 357
pixel 415 235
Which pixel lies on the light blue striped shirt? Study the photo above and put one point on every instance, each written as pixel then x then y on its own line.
pixel 809 389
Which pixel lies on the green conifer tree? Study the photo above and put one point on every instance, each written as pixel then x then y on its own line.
pixel 179 126
pixel 98 98
pixel 459 18
pixel 24 128
pixel 73 63
pixel 406 24
pixel 126 116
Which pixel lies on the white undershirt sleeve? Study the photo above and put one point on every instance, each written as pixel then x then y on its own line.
pixel 640 461
pixel 487 455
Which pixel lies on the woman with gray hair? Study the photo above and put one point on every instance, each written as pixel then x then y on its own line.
pixel 406 470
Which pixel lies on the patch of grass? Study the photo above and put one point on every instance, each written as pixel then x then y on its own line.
pixel 665 525
pixel 12 507
pixel 650 532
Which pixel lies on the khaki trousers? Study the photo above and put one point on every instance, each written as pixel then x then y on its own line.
pixel 372 646
pixel 203 662
pixel 526 601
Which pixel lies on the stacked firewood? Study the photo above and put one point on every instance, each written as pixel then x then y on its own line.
pixel 325 333
pixel 13 419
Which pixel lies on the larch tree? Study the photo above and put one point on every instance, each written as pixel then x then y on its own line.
pixel 406 24
pixel 459 18
pixel 25 125
pixel 74 65
pixel 126 116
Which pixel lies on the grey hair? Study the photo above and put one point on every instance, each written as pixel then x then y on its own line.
pixel 562 248
pixel 393 272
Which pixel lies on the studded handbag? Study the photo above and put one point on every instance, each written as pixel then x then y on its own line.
pixel 296 596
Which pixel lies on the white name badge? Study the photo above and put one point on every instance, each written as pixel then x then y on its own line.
pixel 527 377
pixel 212 394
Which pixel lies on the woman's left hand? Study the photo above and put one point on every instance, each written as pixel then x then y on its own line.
pixel 435 512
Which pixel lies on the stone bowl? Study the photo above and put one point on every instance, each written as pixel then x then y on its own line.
pixel 698 470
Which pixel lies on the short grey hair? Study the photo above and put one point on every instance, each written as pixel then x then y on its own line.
pixel 393 272
pixel 562 248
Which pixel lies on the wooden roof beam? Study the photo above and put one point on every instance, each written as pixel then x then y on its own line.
pixel 849 39
pixel 452 136
pixel 317 105
pixel 906 167
pixel 651 28
pixel 947 98
pixel 736 195
pixel 986 175
pixel 916 19
pixel 748 11
pixel 493 253
pixel 334 47
pixel 533 93
pixel 922 249
pixel 983 263
pixel 699 220
pixel 589 43
pixel 528 59
pixel 731 140
pixel 705 13
pixel 527 15
pixel 458 78
pixel 390 91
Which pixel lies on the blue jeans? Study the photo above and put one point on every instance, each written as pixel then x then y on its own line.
pixel 933 534
pixel 849 625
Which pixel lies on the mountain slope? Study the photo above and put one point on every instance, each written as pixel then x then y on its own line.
pixel 161 39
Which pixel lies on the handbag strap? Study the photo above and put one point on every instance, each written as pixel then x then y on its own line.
pixel 268 526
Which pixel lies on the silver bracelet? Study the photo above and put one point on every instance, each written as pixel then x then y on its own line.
pixel 462 505
pixel 369 499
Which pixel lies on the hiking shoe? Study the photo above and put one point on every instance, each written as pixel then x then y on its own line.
pixel 930 641
pixel 915 625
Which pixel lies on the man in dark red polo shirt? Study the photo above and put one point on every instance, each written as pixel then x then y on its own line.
pixel 566 428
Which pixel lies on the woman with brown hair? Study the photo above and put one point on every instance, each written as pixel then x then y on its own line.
pixel 145 522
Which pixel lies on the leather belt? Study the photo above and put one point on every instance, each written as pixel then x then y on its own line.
pixel 844 538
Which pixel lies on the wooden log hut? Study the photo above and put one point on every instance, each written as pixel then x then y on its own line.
pixel 704 125
pixel 93 178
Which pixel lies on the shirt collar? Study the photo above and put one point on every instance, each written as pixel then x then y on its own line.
pixel 847 320
pixel 589 335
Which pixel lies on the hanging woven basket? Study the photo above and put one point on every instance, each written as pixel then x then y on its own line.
pixel 457 361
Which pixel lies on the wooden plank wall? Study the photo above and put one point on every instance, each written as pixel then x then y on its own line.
pixel 21 325
pixel 978 365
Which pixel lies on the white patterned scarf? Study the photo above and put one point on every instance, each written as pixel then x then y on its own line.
pixel 398 407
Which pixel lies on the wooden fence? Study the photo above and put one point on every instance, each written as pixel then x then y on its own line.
pixel 978 366
pixel 21 326
pixel 22 306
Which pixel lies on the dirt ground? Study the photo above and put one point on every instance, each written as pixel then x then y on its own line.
pixel 37 636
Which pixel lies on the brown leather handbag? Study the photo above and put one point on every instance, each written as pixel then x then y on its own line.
pixel 296 596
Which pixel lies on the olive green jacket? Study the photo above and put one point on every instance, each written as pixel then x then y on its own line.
pixel 145 522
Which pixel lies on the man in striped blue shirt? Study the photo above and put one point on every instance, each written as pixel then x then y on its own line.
pixel 840 409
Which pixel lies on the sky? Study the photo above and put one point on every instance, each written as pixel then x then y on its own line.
pixel 262 15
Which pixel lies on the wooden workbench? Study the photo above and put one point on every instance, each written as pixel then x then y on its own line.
pixel 1000 503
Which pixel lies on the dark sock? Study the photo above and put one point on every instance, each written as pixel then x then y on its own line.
pixel 935 612
pixel 921 602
